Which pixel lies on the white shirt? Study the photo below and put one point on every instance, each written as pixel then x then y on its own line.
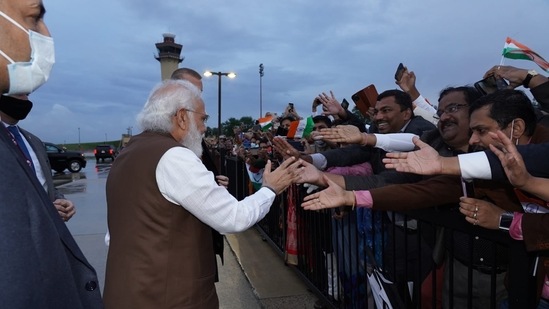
pixel 391 142
pixel 425 110
pixel 475 165
pixel 184 180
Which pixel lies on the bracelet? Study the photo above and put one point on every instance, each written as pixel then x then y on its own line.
pixel 354 200
pixel 364 141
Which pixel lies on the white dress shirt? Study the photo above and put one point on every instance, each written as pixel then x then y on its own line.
pixel 184 180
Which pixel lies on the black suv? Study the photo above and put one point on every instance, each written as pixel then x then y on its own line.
pixel 61 159
pixel 104 152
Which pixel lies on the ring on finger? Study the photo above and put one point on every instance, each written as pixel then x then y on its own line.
pixel 476 208
pixel 475 215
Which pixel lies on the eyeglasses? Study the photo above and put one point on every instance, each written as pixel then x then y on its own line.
pixel 205 117
pixel 452 108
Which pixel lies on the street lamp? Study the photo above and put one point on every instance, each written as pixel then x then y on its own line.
pixel 219 74
pixel 260 90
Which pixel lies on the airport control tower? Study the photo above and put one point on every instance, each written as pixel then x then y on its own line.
pixel 169 54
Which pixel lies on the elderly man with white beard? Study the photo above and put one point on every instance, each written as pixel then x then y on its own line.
pixel 162 202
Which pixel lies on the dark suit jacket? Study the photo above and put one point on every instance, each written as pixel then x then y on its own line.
pixel 42 266
pixel 38 148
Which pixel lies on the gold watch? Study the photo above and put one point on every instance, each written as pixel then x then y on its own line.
pixel 526 81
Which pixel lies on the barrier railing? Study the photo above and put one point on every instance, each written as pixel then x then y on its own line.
pixel 327 248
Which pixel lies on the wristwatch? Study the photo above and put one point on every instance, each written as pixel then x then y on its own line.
pixel 526 81
pixel 505 221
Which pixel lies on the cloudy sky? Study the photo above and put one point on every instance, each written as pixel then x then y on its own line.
pixel 105 52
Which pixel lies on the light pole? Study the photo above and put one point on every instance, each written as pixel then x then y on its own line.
pixel 79 148
pixel 219 74
pixel 260 90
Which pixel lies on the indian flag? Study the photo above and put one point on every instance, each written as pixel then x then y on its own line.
pixel 516 50
pixel 301 128
pixel 266 123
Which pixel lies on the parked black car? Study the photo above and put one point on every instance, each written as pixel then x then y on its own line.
pixel 104 152
pixel 61 159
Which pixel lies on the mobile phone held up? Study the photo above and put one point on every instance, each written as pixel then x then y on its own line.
pixel 399 71
pixel 490 84
pixel 345 104
pixel 365 98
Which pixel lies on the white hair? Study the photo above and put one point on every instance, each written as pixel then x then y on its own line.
pixel 163 103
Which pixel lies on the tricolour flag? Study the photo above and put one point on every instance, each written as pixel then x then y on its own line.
pixel 266 123
pixel 516 50
pixel 301 128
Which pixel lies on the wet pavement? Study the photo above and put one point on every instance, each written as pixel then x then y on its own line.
pixel 253 275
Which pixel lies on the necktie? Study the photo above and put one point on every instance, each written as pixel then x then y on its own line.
pixel 21 144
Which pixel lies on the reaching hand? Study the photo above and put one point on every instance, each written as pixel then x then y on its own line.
pixel 222 181
pixel 284 148
pixel 480 212
pixel 515 76
pixel 348 134
pixel 425 161
pixel 331 197
pixel 65 208
pixel 408 81
pixel 283 176
pixel 310 174
pixel 511 160
pixel 331 105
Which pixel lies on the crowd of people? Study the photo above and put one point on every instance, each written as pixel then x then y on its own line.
pixel 167 203
pixel 343 154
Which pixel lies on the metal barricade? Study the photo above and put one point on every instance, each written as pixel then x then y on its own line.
pixel 329 252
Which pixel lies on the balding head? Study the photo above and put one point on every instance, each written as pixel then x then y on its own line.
pixel 189 75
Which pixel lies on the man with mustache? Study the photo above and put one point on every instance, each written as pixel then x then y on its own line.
pixel 162 203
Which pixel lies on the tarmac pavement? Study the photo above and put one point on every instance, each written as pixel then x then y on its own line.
pixel 253 275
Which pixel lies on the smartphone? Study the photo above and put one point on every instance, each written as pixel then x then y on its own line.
pixel 491 84
pixel 399 71
pixel 345 104
pixel 365 98
pixel 296 144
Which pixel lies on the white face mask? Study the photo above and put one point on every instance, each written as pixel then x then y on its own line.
pixel 25 77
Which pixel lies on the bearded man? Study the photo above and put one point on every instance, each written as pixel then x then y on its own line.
pixel 162 203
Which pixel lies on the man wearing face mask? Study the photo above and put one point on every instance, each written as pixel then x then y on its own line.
pixel 12 110
pixel 41 263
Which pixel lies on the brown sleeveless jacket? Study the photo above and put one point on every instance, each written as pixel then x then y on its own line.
pixel 160 255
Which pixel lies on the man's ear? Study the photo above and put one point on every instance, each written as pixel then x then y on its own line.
pixel 519 128
pixel 408 114
pixel 182 119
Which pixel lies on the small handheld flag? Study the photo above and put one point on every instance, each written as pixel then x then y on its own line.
pixel 515 50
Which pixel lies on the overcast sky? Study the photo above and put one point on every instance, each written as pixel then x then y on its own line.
pixel 106 68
